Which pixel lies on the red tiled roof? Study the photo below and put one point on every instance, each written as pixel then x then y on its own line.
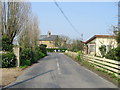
pixel 97 36
pixel 83 42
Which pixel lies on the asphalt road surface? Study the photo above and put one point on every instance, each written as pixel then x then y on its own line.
pixel 59 71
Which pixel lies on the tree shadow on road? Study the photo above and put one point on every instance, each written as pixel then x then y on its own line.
pixel 9 86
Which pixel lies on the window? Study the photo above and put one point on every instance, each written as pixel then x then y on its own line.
pixel 92 48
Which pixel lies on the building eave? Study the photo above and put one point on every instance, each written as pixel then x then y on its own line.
pixel 99 36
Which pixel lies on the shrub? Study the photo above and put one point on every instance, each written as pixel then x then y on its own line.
pixel 102 50
pixel 25 62
pixel 114 54
pixel 78 57
pixel 8 60
pixel 29 56
pixel 6 44
pixel 26 54
pixel 37 55
pixel 41 55
pixel 42 47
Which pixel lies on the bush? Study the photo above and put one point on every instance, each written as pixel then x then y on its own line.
pixel 26 54
pixel 8 60
pixel 78 57
pixel 42 47
pixel 114 54
pixel 6 44
pixel 25 62
pixel 37 55
pixel 103 50
pixel 29 56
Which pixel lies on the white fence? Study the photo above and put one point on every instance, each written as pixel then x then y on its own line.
pixel 109 65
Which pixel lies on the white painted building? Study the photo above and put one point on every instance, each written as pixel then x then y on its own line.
pixel 94 43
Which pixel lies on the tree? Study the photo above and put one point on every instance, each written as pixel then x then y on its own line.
pixel 29 36
pixel 14 16
pixel 118 34
pixel 116 31
pixel 76 45
pixel 0 25
pixel 62 41
pixel 34 31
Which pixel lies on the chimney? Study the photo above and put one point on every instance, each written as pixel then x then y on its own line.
pixel 49 34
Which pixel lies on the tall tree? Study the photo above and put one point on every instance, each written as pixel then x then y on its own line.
pixel 118 34
pixel 29 36
pixel 0 25
pixel 14 16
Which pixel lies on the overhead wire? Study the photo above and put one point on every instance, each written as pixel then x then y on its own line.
pixel 73 27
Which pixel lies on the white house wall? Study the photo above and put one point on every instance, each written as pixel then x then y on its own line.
pixel 104 41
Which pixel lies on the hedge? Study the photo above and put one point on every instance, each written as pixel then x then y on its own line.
pixel 114 54
pixel 8 60
pixel 43 49
pixel 6 43
pixel 29 56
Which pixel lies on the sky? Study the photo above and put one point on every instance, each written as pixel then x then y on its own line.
pixel 89 18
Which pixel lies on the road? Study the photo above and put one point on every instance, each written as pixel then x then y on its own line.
pixel 59 71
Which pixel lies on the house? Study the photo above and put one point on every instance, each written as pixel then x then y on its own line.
pixel 94 43
pixel 48 40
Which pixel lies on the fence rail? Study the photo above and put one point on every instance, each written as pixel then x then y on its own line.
pixel 109 65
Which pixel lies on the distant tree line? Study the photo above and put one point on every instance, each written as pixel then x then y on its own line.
pixel 66 42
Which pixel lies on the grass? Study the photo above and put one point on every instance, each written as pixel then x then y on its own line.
pixel 103 73
pixel 23 67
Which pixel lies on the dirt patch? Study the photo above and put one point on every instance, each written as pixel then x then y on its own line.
pixel 9 75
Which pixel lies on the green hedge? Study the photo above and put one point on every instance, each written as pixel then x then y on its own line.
pixel 114 54
pixel 29 56
pixel 37 54
pixel 6 43
pixel 25 55
pixel 56 49
pixel 43 49
pixel 8 60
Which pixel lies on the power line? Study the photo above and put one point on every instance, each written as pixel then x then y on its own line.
pixel 66 17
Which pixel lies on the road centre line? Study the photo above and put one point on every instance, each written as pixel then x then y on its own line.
pixel 58 66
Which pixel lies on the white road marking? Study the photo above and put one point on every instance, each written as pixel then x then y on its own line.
pixel 61 53
pixel 58 66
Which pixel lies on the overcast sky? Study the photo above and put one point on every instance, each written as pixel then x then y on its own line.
pixel 89 18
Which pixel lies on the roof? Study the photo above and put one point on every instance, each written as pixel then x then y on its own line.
pixel 46 38
pixel 99 36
